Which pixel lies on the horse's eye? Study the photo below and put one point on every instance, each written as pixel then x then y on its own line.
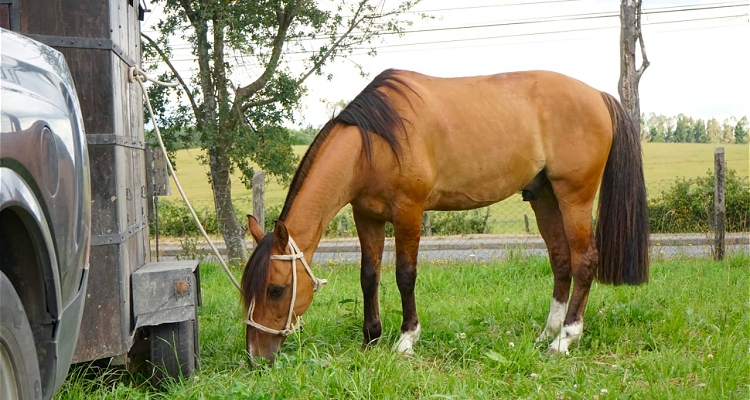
pixel 275 292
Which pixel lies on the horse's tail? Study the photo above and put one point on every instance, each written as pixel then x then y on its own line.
pixel 622 234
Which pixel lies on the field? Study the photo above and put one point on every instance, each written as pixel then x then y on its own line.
pixel 663 163
pixel 683 335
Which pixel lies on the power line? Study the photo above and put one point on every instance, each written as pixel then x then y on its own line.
pixel 492 6
pixel 570 17
pixel 560 18
pixel 508 36
pixel 586 16
pixel 533 33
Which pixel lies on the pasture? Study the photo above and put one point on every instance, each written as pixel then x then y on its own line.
pixel 663 163
pixel 685 334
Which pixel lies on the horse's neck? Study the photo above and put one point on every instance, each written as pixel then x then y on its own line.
pixel 329 186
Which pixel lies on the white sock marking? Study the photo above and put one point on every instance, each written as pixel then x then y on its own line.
pixel 557 311
pixel 407 340
pixel 568 335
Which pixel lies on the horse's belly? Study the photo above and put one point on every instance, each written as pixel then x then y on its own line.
pixel 466 191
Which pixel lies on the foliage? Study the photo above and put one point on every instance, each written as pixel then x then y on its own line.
pixel 457 222
pixel 479 321
pixel 684 129
pixel 304 136
pixel 687 206
pixel 241 123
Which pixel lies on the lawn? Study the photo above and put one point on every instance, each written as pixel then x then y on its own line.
pixel 683 335
pixel 663 163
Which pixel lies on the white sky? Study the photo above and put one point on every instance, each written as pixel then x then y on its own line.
pixel 698 68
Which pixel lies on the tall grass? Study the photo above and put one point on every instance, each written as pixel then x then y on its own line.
pixel 683 335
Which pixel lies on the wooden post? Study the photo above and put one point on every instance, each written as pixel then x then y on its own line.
pixel 259 195
pixel 426 224
pixel 486 227
pixel 526 223
pixel 719 205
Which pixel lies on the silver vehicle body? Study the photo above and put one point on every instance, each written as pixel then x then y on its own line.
pixel 45 200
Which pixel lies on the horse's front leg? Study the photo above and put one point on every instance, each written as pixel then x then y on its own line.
pixel 371 237
pixel 407 229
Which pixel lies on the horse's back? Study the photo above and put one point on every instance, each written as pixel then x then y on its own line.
pixel 478 140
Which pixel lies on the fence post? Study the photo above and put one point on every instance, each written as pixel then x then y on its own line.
pixel 719 205
pixel 426 224
pixel 259 195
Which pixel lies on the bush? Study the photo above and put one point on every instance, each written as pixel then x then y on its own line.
pixel 175 220
pixel 687 206
pixel 457 222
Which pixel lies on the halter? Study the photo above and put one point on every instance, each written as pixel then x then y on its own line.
pixel 289 328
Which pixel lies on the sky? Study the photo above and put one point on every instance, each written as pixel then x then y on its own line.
pixel 698 50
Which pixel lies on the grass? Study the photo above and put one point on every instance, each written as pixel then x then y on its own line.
pixel 683 335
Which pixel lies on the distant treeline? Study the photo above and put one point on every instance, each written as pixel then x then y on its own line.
pixel 654 128
pixel 684 129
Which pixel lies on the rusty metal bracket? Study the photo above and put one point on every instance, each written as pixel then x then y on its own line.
pixel 114 140
pixel 118 237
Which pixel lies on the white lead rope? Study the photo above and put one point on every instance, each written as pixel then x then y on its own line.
pixel 137 75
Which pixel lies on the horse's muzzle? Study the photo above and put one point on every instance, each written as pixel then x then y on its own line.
pixel 262 346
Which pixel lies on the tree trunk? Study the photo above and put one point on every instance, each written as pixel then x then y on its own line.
pixel 630 33
pixel 230 227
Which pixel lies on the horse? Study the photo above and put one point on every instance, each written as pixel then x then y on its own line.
pixel 411 142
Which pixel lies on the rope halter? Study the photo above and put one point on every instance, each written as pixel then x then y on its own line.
pixel 289 328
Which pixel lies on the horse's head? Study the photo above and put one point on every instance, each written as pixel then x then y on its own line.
pixel 277 288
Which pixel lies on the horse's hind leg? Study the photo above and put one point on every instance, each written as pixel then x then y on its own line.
pixel 371 237
pixel 551 227
pixel 407 229
pixel 584 259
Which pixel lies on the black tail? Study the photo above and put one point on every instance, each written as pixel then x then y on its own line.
pixel 622 235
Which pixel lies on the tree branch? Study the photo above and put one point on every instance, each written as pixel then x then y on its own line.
pixel 166 60
pixel 285 17
pixel 335 45
pixel 257 103
pixel 644 63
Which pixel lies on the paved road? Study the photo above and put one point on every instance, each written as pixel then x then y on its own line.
pixel 495 247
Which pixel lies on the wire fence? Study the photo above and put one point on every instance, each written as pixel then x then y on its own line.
pixel 504 229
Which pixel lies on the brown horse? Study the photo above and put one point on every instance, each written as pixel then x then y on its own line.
pixel 409 143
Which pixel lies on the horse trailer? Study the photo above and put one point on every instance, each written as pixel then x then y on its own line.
pixel 135 308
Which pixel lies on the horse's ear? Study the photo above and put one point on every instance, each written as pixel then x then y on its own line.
pixel 256 231
pixel 282 235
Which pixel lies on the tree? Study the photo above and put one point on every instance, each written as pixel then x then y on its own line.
pixel 682 129
pixel 713 129
pixel 741 131
pixel 630 33
pixel 727 129
pixel 240 122
pixel 698 132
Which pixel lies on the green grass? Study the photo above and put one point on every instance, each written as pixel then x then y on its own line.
pixel 683 335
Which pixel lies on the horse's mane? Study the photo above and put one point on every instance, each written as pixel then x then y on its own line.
pixel 372 112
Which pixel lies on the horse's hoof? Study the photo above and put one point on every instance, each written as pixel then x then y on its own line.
pixel 406 341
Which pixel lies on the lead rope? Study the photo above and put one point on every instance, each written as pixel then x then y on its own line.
pixel 137 75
